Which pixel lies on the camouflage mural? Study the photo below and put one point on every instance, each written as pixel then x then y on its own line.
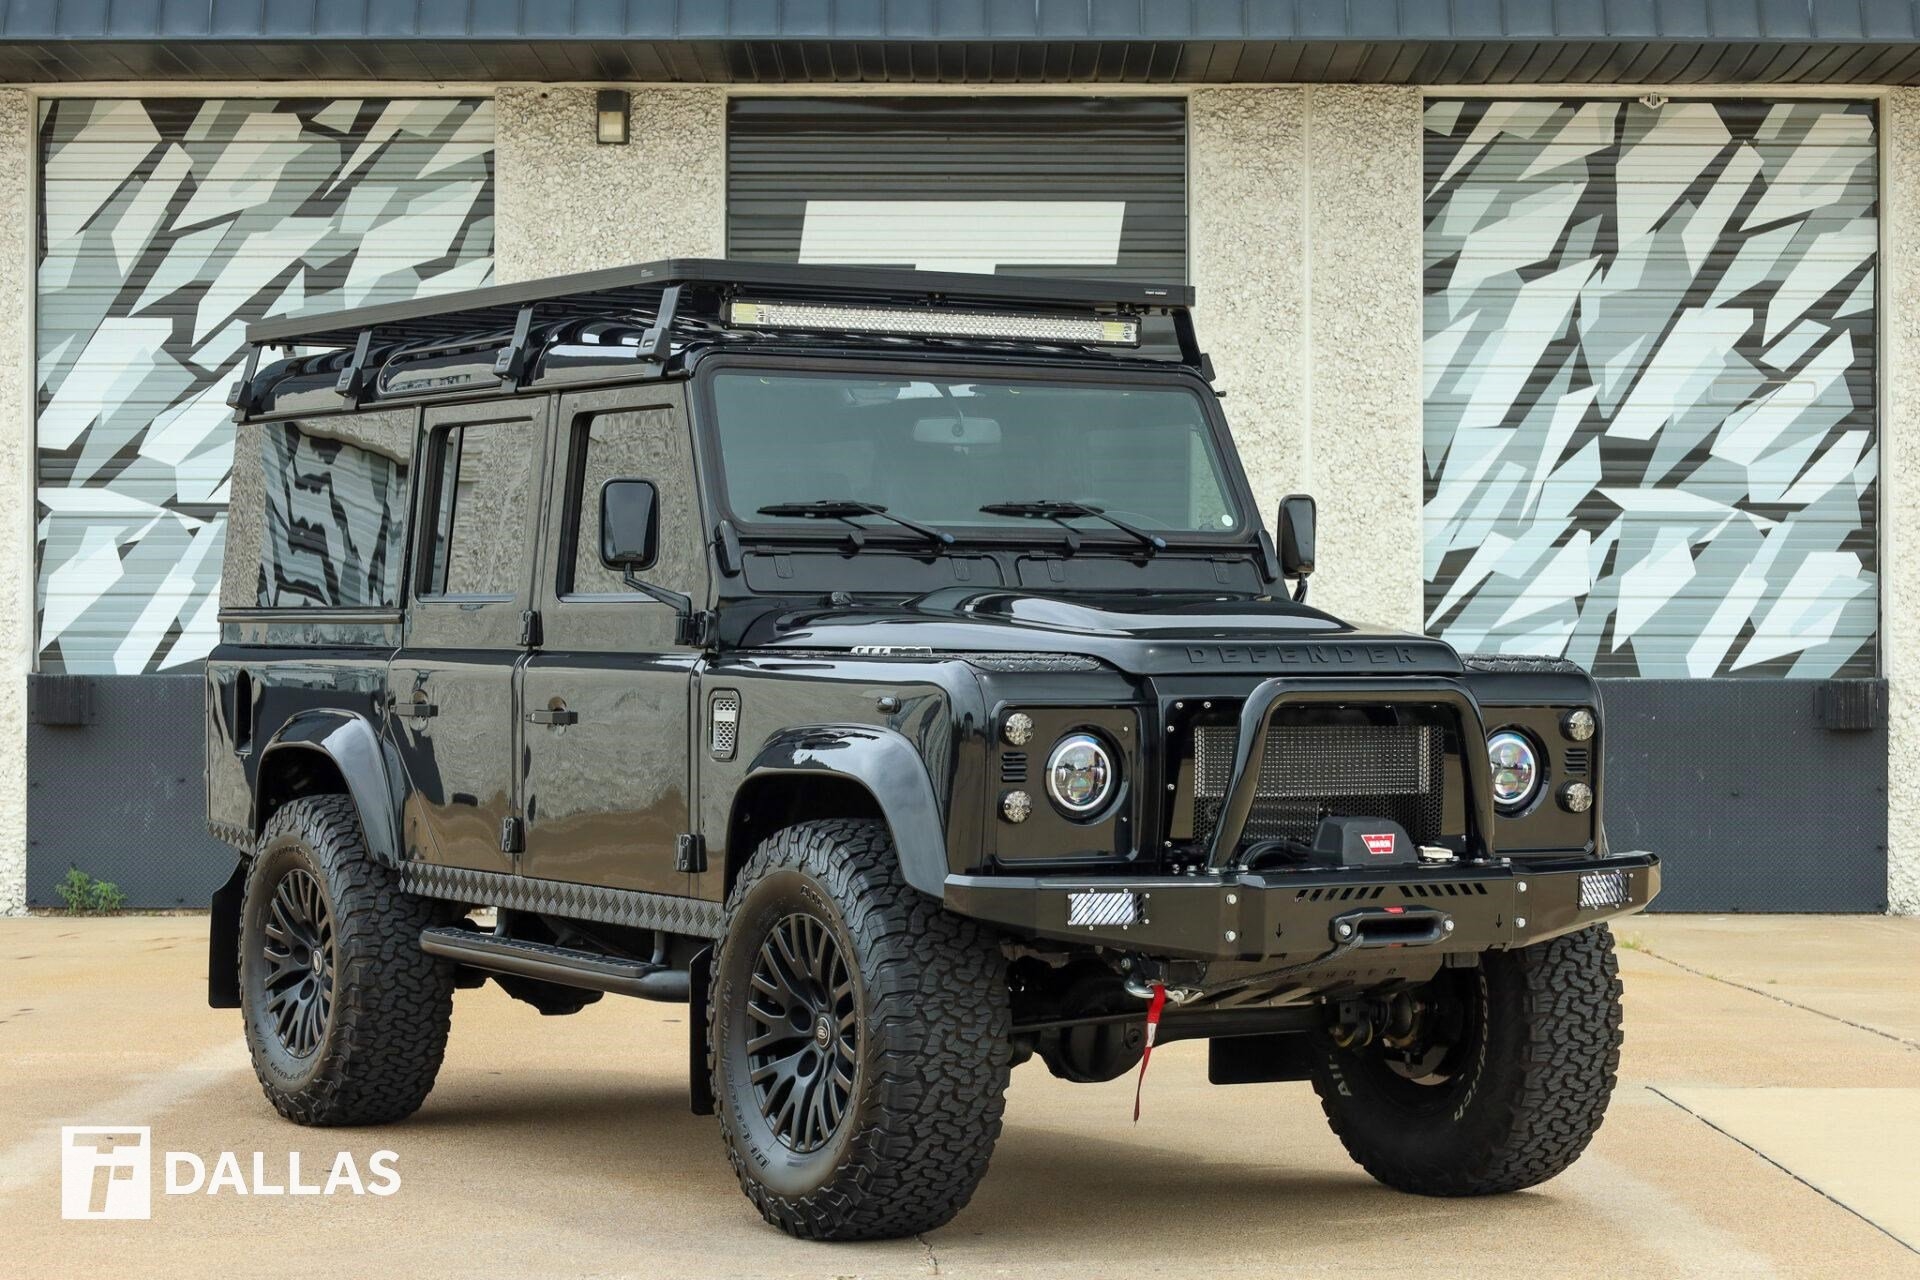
pixel 167 225
pixel 1651 442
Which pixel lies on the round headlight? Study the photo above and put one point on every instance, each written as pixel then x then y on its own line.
pixel 1516 768
pixel 1080 774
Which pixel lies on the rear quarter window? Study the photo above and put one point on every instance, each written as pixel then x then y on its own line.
pixel 318 513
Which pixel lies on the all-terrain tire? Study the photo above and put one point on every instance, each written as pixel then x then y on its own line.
pixel 1532 1086
pixel 929 1069
pixel 380 1043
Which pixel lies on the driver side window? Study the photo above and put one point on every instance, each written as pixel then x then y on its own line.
pixel 638 444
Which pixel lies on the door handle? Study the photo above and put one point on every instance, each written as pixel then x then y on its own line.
pixel 553 716
pixel 417 711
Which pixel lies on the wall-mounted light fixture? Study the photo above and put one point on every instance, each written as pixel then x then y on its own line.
pixel 611 110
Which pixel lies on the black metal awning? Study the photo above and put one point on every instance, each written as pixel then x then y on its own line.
pixel 1095 42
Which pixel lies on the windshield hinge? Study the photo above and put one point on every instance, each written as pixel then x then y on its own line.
pixel 699 629
pixel 530 628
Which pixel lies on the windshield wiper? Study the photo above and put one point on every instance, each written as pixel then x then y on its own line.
pixel 844 509
pixel 1060 512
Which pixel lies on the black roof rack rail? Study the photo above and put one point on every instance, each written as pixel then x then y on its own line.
pixel 637 291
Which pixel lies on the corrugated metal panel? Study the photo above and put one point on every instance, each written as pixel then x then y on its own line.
pixel 1651 349
pixel 968 20
pixel 1890 59
pixel 1048 186
pixel 166 226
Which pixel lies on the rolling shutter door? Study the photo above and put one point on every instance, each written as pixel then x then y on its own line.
pixel 1651 441
pixel 166 226
pixel 1031 186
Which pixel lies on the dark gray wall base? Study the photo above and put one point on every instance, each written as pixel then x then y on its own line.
pixel 1734 783
pixel 1750 803
pixel 122 796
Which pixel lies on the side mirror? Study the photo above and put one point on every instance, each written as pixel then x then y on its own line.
pixel 1296 540
pixel 629 524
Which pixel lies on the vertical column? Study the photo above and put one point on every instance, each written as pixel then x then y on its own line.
pixel 1247 227
pixel 1900 492
pixel 1364 349
pixel 566 202
pixel 16 483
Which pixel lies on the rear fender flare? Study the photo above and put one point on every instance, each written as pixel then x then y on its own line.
pixel 362 760
pixel 891 769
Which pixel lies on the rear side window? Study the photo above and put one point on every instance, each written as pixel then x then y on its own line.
pixel 482 480
pixel 318 517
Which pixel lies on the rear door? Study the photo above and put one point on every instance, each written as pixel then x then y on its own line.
pixel 605 699
pixel 450 688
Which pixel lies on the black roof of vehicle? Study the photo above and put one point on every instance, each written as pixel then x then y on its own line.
pixel 637 291
pixel 636 321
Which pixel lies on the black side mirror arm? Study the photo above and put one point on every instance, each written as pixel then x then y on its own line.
pixel 695 627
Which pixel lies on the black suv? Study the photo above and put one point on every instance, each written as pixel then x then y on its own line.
pixel 894 666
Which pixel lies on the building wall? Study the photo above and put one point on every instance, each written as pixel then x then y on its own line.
pixel 1900 472
pixel 16 483
pixel 1305 226
pixel 566 203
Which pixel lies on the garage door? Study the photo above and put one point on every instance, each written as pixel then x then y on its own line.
pixel 1037 186
pixel 166 226
pixel 1652 447
pixel 1650 384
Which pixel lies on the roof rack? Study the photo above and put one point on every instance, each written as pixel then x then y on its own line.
pixel 690 297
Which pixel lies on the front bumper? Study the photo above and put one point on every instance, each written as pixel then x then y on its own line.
pixel 1297 914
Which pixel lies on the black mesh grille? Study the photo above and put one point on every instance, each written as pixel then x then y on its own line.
pixel 1310 771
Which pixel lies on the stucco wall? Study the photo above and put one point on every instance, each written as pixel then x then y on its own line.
pixel 1900 494
pixel 1247 232
pixel 1305 208
pixel 564 202
pixel 16 483
pixel 1364 336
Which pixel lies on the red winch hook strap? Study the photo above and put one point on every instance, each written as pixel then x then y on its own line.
pixel 1158 1003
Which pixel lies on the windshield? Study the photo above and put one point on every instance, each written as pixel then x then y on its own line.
pixel 937 448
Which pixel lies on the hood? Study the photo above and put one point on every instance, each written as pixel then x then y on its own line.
pixel 1143 634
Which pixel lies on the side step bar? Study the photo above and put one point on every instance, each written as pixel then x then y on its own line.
pixel 562 966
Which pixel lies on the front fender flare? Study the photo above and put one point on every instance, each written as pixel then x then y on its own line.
pixel 888 765
pixel 362 760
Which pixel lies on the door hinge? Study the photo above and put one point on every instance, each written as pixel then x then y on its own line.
pixel 530 628
pixel 513 835
pixel 690 852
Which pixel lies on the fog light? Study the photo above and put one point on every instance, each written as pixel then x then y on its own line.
pixel 1016 806
pixel 1577 724
pixel 1017 729
pixel 1604 889
pixel 1576 797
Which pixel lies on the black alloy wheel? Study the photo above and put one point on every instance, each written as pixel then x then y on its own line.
pixel 803 1037
pixel 299 957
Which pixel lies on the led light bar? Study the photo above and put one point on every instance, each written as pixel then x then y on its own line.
pixel 1090 330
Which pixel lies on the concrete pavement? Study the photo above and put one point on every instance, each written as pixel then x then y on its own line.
pixel 1767 1123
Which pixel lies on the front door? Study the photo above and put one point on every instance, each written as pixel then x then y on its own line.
pixel 605 699
pixel 450 688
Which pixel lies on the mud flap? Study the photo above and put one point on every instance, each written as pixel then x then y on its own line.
pixel 699 1080
pixel 1259 1059
pixel 223 941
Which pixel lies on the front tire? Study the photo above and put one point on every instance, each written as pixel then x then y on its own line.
pixel 1506 1084
pixel 346 1016
pixel 859 1039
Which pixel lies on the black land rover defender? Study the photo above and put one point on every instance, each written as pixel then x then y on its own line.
pixel 894 666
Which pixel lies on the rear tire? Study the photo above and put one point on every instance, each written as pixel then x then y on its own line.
pixel 1512 1097
pixel 858 1039
pixel 345 1015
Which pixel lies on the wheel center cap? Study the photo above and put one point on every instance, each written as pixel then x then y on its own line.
pixel 318 960
pixel 822 1030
